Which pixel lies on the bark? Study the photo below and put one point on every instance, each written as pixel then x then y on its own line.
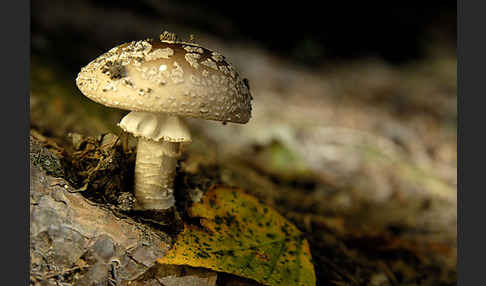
pixel 77 242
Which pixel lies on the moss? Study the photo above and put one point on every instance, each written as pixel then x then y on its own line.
pixel 45 159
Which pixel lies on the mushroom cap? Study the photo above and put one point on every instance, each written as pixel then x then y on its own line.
pixel 176 78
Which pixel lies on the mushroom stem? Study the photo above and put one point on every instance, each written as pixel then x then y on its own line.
pixel 159 146
pixel 154 173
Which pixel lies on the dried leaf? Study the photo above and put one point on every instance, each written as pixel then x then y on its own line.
pixel 241 236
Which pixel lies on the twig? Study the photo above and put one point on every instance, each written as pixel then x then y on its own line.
pixel 63 272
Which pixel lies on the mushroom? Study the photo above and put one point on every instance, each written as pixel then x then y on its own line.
pixel 161 82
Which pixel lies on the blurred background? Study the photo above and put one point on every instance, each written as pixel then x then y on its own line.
pixel 354 111
pixel 306 33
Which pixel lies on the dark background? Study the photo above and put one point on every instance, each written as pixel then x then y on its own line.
pixel 309 32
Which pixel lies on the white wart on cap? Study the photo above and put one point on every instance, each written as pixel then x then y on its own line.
pixel 175 78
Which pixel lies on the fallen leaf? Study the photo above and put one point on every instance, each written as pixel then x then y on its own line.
pixel 237 234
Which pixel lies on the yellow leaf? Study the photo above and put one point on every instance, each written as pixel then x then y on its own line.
pixel 237 234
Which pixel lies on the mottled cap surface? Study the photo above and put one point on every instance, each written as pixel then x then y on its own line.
pixel 172 77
